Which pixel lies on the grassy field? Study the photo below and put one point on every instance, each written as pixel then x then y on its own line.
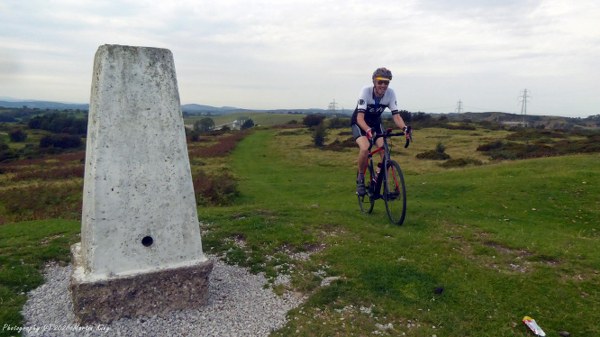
pixel 481 247
pixel 498 241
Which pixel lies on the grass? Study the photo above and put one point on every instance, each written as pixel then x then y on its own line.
pixel 482 246
pixel 502 241
pixel 24 249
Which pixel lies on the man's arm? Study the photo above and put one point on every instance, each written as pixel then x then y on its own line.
pixel 398 120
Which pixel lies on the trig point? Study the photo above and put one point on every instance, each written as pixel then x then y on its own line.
pixel 140 250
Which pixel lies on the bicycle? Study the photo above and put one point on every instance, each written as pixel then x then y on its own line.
pixel 390 180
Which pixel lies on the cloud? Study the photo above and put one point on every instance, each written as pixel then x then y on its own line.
pixel 304 53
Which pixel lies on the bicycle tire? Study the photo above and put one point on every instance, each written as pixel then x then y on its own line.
pixel 366 202
pixel 394 193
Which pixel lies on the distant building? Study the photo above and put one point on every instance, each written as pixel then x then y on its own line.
pixel 235 125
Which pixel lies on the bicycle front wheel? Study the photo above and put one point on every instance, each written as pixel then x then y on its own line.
pixel 394 193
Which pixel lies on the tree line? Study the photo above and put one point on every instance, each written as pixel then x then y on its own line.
pixel 66 130
pixel 60 123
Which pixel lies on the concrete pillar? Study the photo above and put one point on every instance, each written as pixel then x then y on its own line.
pixel 140 250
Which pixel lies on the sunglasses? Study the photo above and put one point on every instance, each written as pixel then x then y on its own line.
pixel 383 82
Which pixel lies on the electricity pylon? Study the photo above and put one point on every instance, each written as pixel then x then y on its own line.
pixel 523 99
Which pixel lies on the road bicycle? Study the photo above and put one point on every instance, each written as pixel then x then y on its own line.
pixel 386 184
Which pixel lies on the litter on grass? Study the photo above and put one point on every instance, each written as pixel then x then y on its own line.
pixel 533 326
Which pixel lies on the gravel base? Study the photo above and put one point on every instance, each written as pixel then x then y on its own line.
pixel 239 304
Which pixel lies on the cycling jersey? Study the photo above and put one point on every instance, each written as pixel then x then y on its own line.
pixel 373 107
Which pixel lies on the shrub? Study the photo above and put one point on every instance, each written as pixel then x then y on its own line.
pixel 17 135
pixel 433 155
pixel 193 135
pixel 338 123
pixel 204 124
pixel 55 173
pixel 313 120
pixel 511 150
pixel 319 135
pixel 490 146
pixel 461 126
pixel 437 154
pixel 220 189
pixel 223 147
pixel 62 141
pixel 461 162
pixel 338 145
pixel 6 153
pixel 248 123
pixel 42 201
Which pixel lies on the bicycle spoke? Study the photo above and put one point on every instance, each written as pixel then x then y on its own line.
pixel 394 193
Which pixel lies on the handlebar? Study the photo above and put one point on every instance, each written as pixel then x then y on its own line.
pixel 388 133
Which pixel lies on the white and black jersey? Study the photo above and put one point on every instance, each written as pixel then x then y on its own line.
pixel 373 107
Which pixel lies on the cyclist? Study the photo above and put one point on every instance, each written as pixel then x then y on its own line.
pixel 366 119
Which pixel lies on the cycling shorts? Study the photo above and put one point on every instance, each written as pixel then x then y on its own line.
pixel 358 132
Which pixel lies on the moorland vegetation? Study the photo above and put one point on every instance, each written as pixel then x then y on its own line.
pixel 503 224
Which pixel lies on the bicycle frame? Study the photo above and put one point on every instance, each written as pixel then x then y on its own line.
pixel 384 161
pixel 388 183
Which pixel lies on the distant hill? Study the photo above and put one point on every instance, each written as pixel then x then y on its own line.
pixel 200 109
pixel 43 105
pixel 207 109
pixel 188 108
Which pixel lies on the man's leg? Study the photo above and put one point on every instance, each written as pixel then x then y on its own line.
pixel 363 153
pixel 363 156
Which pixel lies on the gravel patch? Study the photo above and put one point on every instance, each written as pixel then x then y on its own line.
pixel 239 304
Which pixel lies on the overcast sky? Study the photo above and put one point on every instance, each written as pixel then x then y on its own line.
pixel 272 54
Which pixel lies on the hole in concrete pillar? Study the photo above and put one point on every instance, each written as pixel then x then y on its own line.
pixel 147 241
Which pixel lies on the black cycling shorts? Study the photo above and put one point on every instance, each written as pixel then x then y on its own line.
pixel 358 132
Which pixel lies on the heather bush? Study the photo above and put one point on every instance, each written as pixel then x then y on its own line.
pixel 338 145
pixel 41 201
pixel 54 173
pixel 497 144
pixel 62 141
pixel 223 146
pixel 220 189
pixel 460 162
pixel 17 135
pixel 437 154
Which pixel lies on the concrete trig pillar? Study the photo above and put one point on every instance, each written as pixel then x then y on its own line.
pixel 140 250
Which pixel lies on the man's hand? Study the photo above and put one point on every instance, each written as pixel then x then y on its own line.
pixel 369 133
pixel 407 134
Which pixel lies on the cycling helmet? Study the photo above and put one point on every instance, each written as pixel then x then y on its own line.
pixel 383 73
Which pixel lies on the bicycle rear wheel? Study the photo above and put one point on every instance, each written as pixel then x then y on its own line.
pixel 367 201
pixel 394 193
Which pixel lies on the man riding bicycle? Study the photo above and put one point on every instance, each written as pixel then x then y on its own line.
pixel 366 119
